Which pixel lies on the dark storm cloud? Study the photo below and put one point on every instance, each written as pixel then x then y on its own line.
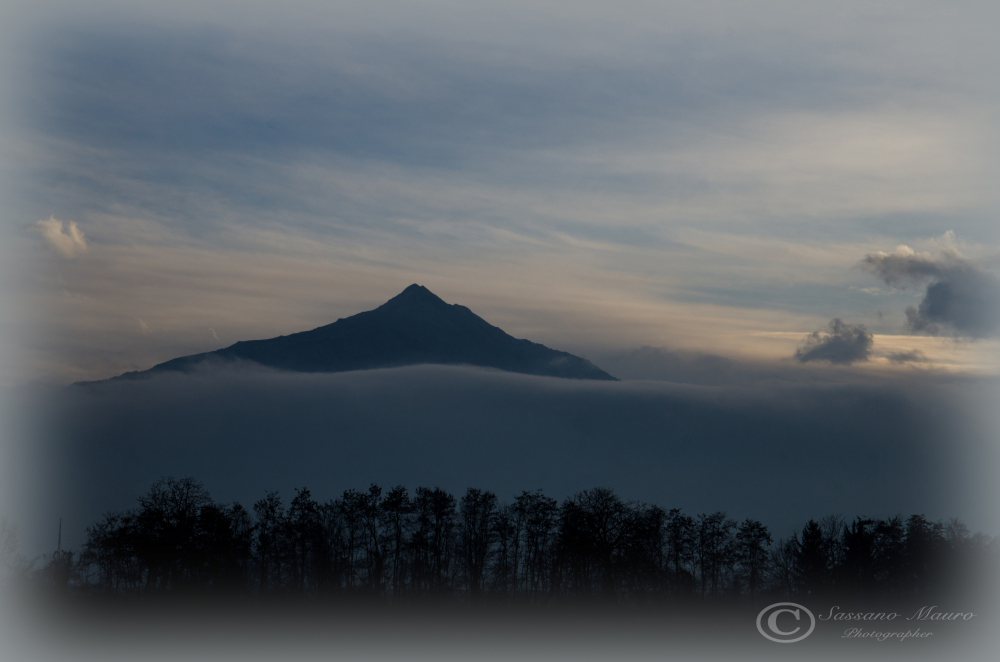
pixel 844 344
pixel 780 453
pixel 961 298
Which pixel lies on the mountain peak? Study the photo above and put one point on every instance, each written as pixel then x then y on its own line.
pixel 415 295
pixel 414 327
pixel 415 288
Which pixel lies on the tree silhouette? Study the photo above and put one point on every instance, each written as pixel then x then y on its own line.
pixel 857 571
pixel 507 529
pixel 681 537
pixel 751 554
pixel 396 508
pixel 714 551
pixel 811 561
pixel 477 511
pixel 13 567
pixel 434 523
pixel 537 515
pixel 269 542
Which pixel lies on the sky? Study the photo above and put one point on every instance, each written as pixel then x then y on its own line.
pixel 713 178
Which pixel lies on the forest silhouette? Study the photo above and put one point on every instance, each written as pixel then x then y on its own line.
pixel 396 546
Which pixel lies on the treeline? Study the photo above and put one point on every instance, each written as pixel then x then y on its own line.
pixel 395 545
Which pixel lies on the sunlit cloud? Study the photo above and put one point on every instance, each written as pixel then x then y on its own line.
pixel 66 239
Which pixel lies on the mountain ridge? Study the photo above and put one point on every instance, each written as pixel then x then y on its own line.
pixel 415 327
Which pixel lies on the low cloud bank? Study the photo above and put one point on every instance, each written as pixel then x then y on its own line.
pixel 781 454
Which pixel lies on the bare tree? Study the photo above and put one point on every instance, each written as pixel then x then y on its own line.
pixel 477 511
pixel 13 566
pixel 681 538
pixel 751 552
pixel 714 551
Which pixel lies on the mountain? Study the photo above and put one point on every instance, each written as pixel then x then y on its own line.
pixel 414 327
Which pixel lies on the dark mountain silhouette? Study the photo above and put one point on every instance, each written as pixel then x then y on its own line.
pixel 414 327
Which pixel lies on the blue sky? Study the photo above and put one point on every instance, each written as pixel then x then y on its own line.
pixel 703 177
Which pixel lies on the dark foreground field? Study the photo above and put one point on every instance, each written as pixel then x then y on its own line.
pixel 230 630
